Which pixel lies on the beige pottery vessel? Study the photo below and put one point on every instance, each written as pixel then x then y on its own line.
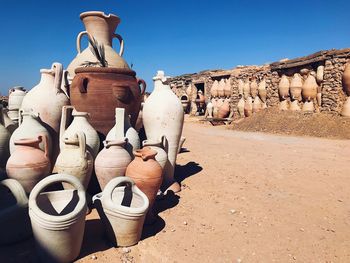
pixel 240 87
pixel 319 74
pixel 309 90
pixel 294 106
pixel 123 129
pixel 5 136
pixel 284 105
pixel 224 109
pixel 346 108
pixel 14 217
pixel 253 88
pixel 122 207
pixel 80 123
pixel 16 95
pixel 74 159
pixel 28 164
pixel 9 124
pixel 101 27
pixel 112 161
pixel 283 87
pixel 227 88
pixel 214 101
pixel 58 219
pixel 248 107
pixel 159 146
pixel 246 89
pixel 240 107
pixel 256 104
pixel 14 115
pixel 308 106
pixel 296 86
pixel 221 88
pixel 163 115
pixel 210 109
pixel 346 79
pixel 30 126
pixel 262 90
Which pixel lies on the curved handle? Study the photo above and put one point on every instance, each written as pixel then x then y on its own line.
pixel 43 138
pixel 142 83
pixel 20 116
pixel 80 35
pixel 58 71
pixel 121 41
pixel 65 83
pixel 17 190
pixel 81 83
pixel 82 143
pixel 63 124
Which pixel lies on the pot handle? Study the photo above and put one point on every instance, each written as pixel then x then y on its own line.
pixel 58 71
pixel 121 41
pixel 43 138
pixel 143 84
pixel 63 125
pixel 80 35
pixel 17 190
pixel 82 143
pixel 81 82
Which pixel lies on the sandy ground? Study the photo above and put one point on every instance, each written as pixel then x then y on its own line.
pixel 247 197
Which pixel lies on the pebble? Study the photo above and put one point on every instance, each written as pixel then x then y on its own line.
pixel 185 223
pixel 233 211
pixel 126 250
pixel 172 230
pixel 93 257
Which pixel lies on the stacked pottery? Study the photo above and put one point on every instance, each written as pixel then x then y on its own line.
pixel 75 159
pixel 240 107
pixel 224 109
pixel 309 93
pixel 346 86
pixel 246 89
pixel 283 90
pixel 58 219
pixel 163 115
pixel 4 140
pixel 16 95
pixel 257 105
pixel 262 93
pixel 14 218
pixel 254 88
pixel 296 86
pixel 112 161
pixel 214 89
pixel 80 123
pixel 28 164
pixel 122 207
pixel 123 129
pixel 221 88
pixel 248 107
pixel 146 172
pixel 227 89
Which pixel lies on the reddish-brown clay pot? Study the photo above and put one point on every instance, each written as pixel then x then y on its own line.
pixel 99 91
pixel 146 172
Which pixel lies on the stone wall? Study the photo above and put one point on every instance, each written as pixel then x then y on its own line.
pixel 331 88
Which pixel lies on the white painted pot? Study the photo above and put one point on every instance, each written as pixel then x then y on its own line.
pixel 16 95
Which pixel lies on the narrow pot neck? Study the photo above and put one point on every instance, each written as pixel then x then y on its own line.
pixel 158 86
pixel 47 77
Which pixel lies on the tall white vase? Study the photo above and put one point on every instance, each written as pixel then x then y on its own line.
pixel 163 115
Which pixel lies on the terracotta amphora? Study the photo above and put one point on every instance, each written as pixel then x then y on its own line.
pixel 309 90
pixel 253 88
pixel 163 115
pixel 100 27
pixel 214 89
pixel 346 79
pixel 227 88
pixel 221 88
pixel 308 106
pixel 319 74
pixel 80 123
pixel 30 126
pixel 112 161
pixel 16 95
pixel 4 140
pixel 240 87
pixel 294 106
pixel 146 172
pixel 246 89
pixel 256 105
pixel 224 109
pixel 284 105
pixel 14 217
pixel 283 87
pixel 240 107
pixel 58 219
pixel 28 164
pixel 346 108
pixel 122 207
pixel 75 159
pixel 262 90
pixel 296 86
pixel 248 107
pixel 123 129
pixel 158 146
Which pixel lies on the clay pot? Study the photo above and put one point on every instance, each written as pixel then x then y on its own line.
pixel 100 90
pixel 308 106
pixel 246 89
pixel 215 107
pixel 227 88
pixel 201 99
pixel 163 115
pixel 122 129
pixel 146 172
pixel 283 87
pixel 8 123
pixel 158 146
pixel 14 218
pixel 214 89
pixel 346 79
pixel 248 107
pixel 296 86
pixel 262 90
pixel 80 123
pixel 185 102
pixel 221 88
pixel 309 90
pixel 112 161
pixel 30 126
pixel 319 74
pixel 284 105
pixel 74 159
pixel 240 107
pixel 256 105
pixel 102 28
pixel 304 71
pixel 4 140
pixel 210 108
pixel 240 87
pixel 14 115
pixel 294 106
pixel 224 109
pixel 122 207
pixel 346 108
pixel 28 164
pixel 16 95
pixel 58 219
pixel 254 88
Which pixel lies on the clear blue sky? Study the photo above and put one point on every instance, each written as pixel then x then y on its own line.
pixel 178 36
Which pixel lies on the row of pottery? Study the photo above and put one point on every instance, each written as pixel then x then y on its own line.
pixel 346 85
pixel 252 89
pixel 221 88
pixel 219 108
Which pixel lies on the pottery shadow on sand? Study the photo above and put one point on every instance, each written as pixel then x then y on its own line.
pixel 184 171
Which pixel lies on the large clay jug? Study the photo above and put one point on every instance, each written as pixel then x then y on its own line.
pixel 240 87
pixel 14 218
pixel 123 129
pixel 30 126
pixel 80 123
pixel 158 146
pixel 75 159
pixel 256 105
pixel 253 88
pixel 296 86
pixel 16 95
pixel 28 164
pixel 4 140
pixel 283 87
pixel 248 107
pixel 346 79
pixel 227 88
pixel 214 89
pixel 224 110
pixel 112 161
pixel 163 115
pixel 309 90
pixel 146 172
pixel 262 90
pixel 346 108
pixel 122 207
pixel 319 74
pixel 246 89
pixel 221 88
pixel 100 27
pixel 214 101
pixel 58 219
pixel 240 107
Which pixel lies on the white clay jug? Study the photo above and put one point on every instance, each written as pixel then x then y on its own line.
pixel 158 146
pixel 4 140
pixel 16 95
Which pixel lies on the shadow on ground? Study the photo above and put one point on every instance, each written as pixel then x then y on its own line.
pixel 184 171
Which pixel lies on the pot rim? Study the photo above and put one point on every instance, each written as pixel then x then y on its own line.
pixel 123 71
pixel 98 13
